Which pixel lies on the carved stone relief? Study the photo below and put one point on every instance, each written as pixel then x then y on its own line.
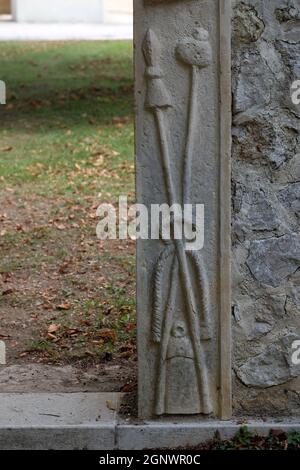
pixel 183 331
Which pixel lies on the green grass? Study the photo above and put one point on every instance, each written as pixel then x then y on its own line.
pixel 69 117
pixel 66 145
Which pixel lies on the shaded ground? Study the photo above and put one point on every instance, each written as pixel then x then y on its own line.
pixel 103 377
pixel 245 440
pixel 66 145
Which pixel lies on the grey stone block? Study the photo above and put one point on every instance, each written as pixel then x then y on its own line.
pixel 58 437
pixel 58 421
pixel 183 137
pixel 172 435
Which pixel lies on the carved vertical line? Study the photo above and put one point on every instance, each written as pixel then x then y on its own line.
pixel 225 211
pixel 158 292
pixel 194 330
pixel 167 326
pixel 193 124
pixel 203 283
pixel 159 114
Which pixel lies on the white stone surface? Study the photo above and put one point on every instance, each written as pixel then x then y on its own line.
pixel 65 421
pixel 118 11
pixel 57 409
pixel 10 31
pixel 2 344
pixel 58 11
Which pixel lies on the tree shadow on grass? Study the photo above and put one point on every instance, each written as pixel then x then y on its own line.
pixel 44 88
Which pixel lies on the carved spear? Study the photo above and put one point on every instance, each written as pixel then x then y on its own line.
pixel 158 100
pixel 196 52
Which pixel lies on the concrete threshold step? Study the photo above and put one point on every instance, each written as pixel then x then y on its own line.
pixel 68 421
pixel 59 421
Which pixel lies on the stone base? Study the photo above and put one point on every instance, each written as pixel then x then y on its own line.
pixel 170 435
pixel 70 421
pixel 58 421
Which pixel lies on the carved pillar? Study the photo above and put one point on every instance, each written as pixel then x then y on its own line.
pixel 183 128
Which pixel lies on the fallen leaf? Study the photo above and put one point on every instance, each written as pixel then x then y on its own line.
pixel 85 322
pixel 127 388
pixel 110 405
pixel 72 331
pixel 8 291
pixel 90 353
pixel 5 336
pixel 130 326
pixel 23 354
pixel 52 337
pixel 126 354
pixel 98 160
pixel 47 306
pixel 60 226
pixel 64 306
pixel 106 333
pixel 53 328
pixel 64 268
pixel 279 434
pixel 6 277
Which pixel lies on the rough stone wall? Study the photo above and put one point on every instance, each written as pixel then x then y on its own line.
pixel 266 207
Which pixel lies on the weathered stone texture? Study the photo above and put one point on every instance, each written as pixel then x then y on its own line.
pixel 183 124
pixel 266 205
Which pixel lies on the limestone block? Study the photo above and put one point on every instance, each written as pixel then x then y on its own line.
pixel 183 128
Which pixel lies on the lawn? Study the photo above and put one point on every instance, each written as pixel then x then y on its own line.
pixel 66 146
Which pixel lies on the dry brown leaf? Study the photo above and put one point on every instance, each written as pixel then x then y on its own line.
pixel 72 331
pixel 126 354
pixel 64 268
pixel 106 333
pixel 4 336
pixel 110 405
pixel 60 226
pixel 53 328
pixel 52 337
pixel 127 388
pixel 8 291
pixel 64 306
pixel 23 354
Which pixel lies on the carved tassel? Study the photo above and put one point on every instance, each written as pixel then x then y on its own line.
pixel 159 272
pixel 167 327
pixel 158 96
